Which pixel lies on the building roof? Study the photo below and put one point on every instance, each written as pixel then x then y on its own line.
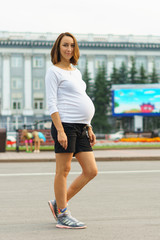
pixel 108 41
pixel 80 37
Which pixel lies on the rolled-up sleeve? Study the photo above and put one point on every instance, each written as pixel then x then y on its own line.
pixel 51 82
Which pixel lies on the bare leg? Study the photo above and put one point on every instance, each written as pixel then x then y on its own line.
pixel 89 171
pixel 38 144
pixel 26 143
pixel 31 146
pixel 63 165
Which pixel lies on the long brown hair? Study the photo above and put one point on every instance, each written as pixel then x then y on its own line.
pixel 24 134
pixel 55 51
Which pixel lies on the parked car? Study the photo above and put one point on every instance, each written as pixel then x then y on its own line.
pixel 156 133
pixel 116 136
pixel 11 141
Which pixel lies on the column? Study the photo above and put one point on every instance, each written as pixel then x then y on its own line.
pixel 129 63
pixel 110 63
pixel 8 124
pixel 138 123
pixel 90 59
pixel 6 90
pixel 48 61
pixel 28 111
pixel 150 64
pixel 48 64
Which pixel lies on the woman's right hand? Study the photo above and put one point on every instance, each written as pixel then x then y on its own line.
pixel 62 139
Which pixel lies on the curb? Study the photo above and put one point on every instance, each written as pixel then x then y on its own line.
pixel 98 159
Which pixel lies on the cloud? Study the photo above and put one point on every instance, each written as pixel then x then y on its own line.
pixel 149 92
pixel 131 93
pixel 157 96
pixel 121 93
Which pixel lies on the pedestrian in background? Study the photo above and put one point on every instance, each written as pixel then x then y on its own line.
pixel 38 137
pixel 27 137
pixel 71 112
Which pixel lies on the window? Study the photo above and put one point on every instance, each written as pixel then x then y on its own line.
pixel 141 61
pixel 16 83
pixel 157 64
pixel 41 105
pixel 100 61
pixel 38 83
pixel 119 60
pixel 16 61
pixel 16 104
pixel 82 63
pixel 0 73
pixel 38 104
pixel 38 62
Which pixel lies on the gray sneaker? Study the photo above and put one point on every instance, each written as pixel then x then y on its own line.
pixel 65 220
pixel 53 206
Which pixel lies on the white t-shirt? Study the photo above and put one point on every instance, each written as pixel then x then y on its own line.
pixel 66 94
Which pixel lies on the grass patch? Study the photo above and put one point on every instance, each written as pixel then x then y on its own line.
pixel 127 146
pixel 104 147
pixel 23 148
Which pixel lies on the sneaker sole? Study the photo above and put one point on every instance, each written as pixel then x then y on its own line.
pixel 68 227
pixel 52 210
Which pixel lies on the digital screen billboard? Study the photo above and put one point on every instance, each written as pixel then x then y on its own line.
pixel 136 101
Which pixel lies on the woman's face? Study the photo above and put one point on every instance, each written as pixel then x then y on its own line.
pixel 66 48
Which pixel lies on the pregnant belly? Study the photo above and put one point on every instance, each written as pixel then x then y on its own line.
pixel 86 108
pixel 79 110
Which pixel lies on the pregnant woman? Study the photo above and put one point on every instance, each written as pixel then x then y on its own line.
pixel 71 112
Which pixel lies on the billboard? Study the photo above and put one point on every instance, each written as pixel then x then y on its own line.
pixel 136 100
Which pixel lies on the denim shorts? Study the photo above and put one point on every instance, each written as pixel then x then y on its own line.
pixel 78 140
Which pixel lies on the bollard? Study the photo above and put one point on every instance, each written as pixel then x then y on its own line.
pixel 2 140
pixel 17 141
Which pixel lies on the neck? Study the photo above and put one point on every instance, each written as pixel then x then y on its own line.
pixel 64 64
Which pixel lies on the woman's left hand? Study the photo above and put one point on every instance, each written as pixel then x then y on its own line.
pixel 92 137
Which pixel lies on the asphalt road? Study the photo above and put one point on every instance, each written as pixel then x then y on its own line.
pixel 121 203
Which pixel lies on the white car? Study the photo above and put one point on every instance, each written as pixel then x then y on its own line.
pixel 116 136
pixel 11 141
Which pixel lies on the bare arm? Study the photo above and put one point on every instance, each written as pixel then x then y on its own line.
pixel 61 136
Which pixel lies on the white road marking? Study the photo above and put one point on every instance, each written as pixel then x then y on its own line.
pixel 77 173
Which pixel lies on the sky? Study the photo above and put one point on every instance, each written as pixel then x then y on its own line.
pixel 122 17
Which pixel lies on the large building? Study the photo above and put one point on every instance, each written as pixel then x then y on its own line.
pixel 25 57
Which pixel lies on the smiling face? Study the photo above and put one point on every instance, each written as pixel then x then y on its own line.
pixel 66 48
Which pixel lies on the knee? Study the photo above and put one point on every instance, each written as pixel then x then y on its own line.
pixel 91 173
pixel 94 173
pixel 63 172
pixel 66 171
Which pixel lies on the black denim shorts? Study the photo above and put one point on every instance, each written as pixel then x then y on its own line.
pixel 78 140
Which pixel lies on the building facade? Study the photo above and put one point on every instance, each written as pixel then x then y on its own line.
pixel 25 58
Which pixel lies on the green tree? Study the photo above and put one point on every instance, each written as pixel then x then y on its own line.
pixel 133 71
pixel 87 79
pixel 101 100
pixel 114 75
pixel 116 104
pixel 143 77
pixel 123 74
pixel 154 75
